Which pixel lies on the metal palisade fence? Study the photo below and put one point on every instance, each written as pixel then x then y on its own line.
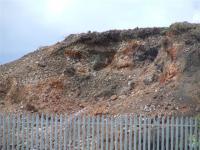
pixel 68 132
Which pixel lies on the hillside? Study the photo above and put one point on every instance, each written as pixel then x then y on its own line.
pixel 152 71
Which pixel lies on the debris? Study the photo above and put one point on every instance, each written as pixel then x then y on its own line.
pixel 69 71
pixel 149 108
pixel 113 97
pixel 197 109
pixel 115 70
pixel 150 79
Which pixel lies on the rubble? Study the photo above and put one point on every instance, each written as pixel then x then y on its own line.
pixel 141 70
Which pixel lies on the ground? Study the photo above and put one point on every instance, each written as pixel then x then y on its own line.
pixel 151 71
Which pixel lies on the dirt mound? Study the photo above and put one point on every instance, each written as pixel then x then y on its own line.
pixel 153 71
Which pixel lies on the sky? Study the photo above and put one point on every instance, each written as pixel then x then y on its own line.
pixel 26 25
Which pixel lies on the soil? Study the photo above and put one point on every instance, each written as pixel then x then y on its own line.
pixel 150 71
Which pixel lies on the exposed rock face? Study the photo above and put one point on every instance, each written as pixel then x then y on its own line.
pixel 118 71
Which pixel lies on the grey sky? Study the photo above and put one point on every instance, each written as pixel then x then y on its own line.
pixel 26 25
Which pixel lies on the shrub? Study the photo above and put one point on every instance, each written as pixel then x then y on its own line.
pixel 195 33
pixel 180 27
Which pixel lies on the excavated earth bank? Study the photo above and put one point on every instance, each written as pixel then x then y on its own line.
pixel 152 71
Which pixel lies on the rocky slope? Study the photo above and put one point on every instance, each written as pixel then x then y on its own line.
pixel 153 71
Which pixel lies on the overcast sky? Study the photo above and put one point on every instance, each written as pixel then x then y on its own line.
pixel 26 25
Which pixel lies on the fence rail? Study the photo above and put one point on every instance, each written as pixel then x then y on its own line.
pixel 67 132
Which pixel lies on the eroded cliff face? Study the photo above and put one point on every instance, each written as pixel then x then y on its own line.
pixel 153 71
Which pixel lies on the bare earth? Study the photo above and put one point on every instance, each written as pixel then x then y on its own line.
pixel 152 71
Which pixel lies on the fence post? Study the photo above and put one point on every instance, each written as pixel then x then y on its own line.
pixel 135 132
pixel 181 134
pixel 32 131
pixel 23 118
pixel 4 131
pixel 46 129
pixel 8 133
pixel 111 133
pixel 167 134
pixel 37 130
pixel 65 132
pixel 191 134
pixel 149 133
pixel 18 130
pixel 125 132
pixel 121 131
pixel 163 133
pixel 78 133
pixel 83 133
pixel 70 130
pixel 88 132
pixel 195 134
pixel 74 131
pixel 130 132
pixel 116 133
pixel 61 130
pixel 42 135
pixel 51 132
pixel 177 136
pixel 102 132
pixel 172 133
pixel 27 132
pixel 140 133
pixel 93 137
pixel 186 133
pixel 158 133
pixel 56 133
pixel 154 133
pixel 13 131
pixel 144 134
pixel 106 133
pixel 97 146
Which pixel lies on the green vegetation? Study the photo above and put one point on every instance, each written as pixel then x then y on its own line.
pixel 181 27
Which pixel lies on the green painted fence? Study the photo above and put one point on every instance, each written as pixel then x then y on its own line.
pixel 127 132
